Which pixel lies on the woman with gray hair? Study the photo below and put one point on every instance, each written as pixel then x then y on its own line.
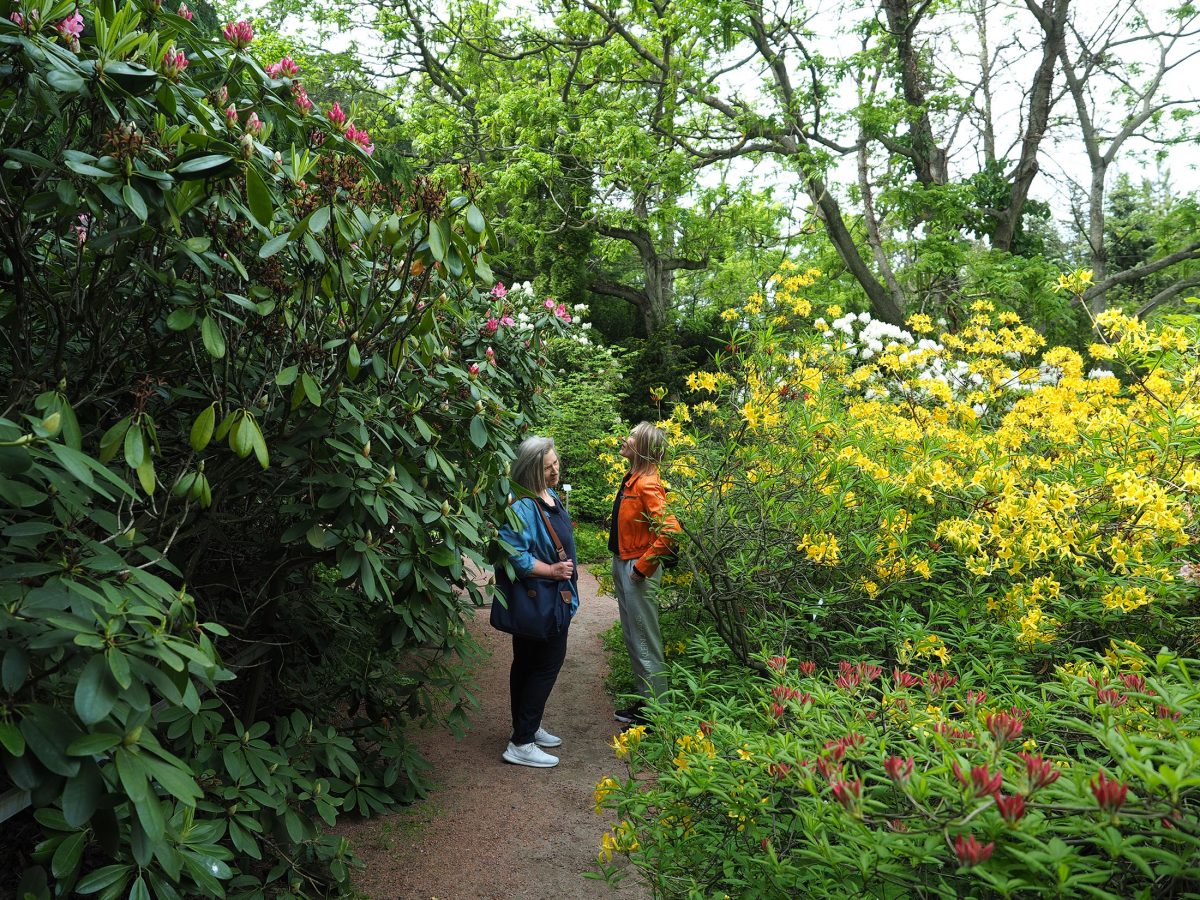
pixel 536 663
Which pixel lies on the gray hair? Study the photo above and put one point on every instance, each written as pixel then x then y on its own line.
pixel 528 469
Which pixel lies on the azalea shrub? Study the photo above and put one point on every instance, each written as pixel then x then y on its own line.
pixel 857 474
pixel 258 409
pixel 946 505
pixel 848 780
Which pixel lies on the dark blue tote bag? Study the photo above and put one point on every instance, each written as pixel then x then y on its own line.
pixel 532 607
pixel 537 608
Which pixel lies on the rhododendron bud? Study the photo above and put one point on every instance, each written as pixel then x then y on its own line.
pixel 970 852
pixel 905 679
pixel 254 125
pixel 473 371
pixel 1135 683
pixel 285 68
pixel 184 12
pixel 238 34
pixel 847 793
pixel 247 143
pixel 173 63
pixel 1109 793
pixel 360 137
pixel 777 710
pixel 493 325
pixel 490 354
pixel 1004 728
pixel 1011 808
pixel 899 770
pixel 231 116
pixel 808 667
pixel 1038 772
pixel 337 117
pixel 17 18
pixel 300 99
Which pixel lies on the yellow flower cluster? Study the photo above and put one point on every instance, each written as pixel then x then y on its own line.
pixel 822 550
pixel 929 646
pixel 605 787
pixel 1126 599
pixel 625 743
pixel 691 746
pixel 621 839
pixel 1022 466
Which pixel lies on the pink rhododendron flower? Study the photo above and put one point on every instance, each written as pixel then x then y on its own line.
pixel 549 304
pixel 184 12
pixel 71 26
pixel 82 229
pixel 286 67
pixel 360 137
pixel 69 29
pixel 300 98
pixel 499 291
pixel 239 34
pixel 507 322
pixel 17 18
pixel 337 116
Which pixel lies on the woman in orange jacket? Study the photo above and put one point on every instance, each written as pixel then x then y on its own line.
pixel 638 538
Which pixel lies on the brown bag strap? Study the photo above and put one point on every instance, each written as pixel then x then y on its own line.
pixel 562 554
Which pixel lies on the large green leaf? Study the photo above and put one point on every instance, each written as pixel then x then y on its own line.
pixel 214 339
pixel 95 692
pixel 258 197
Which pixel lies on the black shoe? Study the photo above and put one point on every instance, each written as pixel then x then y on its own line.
pixel 630 715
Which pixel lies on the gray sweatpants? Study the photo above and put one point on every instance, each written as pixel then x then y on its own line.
pixel 637 601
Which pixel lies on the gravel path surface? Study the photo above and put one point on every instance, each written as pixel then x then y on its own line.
pixel 494 830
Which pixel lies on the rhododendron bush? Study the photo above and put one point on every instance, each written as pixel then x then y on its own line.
pixel 258 406
pixel 979 544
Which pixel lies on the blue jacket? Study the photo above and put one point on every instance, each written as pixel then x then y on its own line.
pixel 533 542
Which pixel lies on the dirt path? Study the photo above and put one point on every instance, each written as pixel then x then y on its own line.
pixel 494 830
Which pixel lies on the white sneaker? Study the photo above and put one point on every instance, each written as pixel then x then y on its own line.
pixel 543 738
pixel 529 755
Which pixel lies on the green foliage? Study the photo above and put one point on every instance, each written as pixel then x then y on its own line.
pixel 823 780
pixel 591 544
pixel 254 422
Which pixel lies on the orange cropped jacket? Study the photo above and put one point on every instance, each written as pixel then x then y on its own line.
pixel 643 524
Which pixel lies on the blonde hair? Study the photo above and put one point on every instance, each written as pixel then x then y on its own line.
pixel 649 446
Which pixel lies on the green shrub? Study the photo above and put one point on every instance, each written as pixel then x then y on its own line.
pixel 848 780
pixel 583 420
pixel 255 417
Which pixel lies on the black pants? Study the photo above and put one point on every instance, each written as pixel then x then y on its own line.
pixel 534 670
